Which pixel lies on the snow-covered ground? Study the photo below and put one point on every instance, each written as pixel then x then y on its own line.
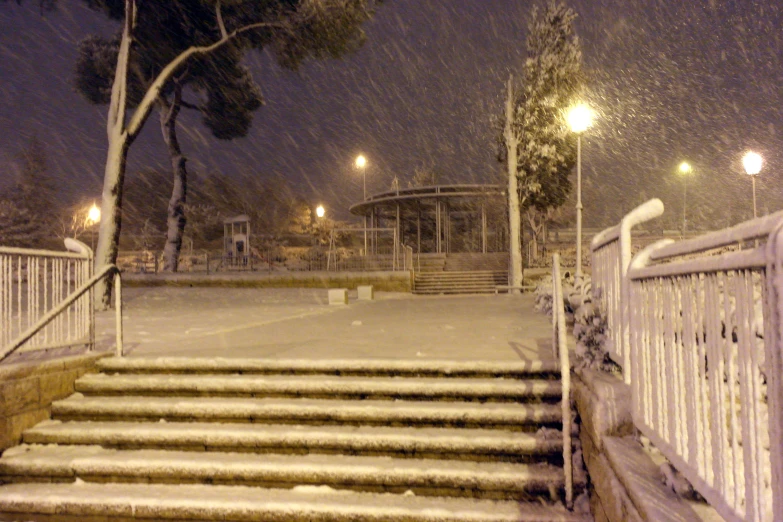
pixel 299 323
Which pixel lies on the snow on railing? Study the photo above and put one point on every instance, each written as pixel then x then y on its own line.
pixel 33 282
pixel 706 345
pixel 611 255
pixel 561 352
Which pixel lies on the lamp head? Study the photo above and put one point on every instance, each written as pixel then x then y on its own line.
pixel 752 163
pixel 93 214
pixel 685 168
pixel 361 161
pixel 580 118
pixel 320 211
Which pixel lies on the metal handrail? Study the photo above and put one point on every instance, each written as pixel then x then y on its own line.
pixel 561 351
pixel 64 304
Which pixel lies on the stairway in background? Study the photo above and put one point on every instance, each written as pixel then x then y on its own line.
pixel 462 273
pixel 298 440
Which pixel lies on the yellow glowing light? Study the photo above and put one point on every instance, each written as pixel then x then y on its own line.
pixel 752 163
pixel 685 168
pixel 320 211
pixel 94 214
pixel 361 161
pixel 580 118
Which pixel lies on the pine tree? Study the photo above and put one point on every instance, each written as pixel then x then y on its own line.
pixel 198 32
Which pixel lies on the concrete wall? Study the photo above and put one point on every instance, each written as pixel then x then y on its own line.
pixel 382 281
pixel 28 389
pixel 625 484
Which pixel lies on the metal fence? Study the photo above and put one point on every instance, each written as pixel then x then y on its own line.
pixel 611 255
pixel 33 282
pixel 706 362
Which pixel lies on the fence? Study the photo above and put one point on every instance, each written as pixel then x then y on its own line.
pixel 32 282
pixel 705 362
pixel 702 323
pixel 611 255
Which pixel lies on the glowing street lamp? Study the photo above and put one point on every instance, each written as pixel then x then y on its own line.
pixel 361 162
pixel 320 211
pixel 685 170
pixel 752 163
pixel 579 118
pixel 93 217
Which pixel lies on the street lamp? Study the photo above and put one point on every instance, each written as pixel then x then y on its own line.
pixel 361 162
pixel 93 217
pixel 320 211
pixel 752 163
pixel 580 118
pixel 686 170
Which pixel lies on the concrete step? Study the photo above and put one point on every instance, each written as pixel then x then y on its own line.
pixel 419 388
pixel 424 477
pixel 409 442
pixel 309 411
pixel 60 502
pixel 454 291
pixel 388 367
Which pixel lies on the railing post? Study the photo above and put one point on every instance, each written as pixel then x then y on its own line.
pixel 118 311
pixel 774 362
pixel 561 349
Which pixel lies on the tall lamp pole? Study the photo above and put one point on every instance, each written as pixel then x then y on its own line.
pixel 685 169
pixel 361 162
pixel 580 118
pixel 752 163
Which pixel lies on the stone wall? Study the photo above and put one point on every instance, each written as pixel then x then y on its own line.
pixel 625 484
pixel 28 389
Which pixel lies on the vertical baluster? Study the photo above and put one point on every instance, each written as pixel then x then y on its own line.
pixel 715 375
pixel 730 372
pixel 702 384
pixel 691 399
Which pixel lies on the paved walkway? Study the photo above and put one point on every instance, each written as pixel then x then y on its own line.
pixel 298 323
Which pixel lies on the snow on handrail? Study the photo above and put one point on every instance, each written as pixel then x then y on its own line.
pixel 561 351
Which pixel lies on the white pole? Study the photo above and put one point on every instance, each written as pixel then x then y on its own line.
pixel 578 275
pixel 754 196
pixel 364 197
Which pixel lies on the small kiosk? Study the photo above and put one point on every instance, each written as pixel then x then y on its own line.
pixel 236 242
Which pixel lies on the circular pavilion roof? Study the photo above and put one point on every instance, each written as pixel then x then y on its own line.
pixel 417 194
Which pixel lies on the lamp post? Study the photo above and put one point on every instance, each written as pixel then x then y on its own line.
pixel 361 162
pixel 93 217
pixel 580 118
pixel 685 169
pixel 752 163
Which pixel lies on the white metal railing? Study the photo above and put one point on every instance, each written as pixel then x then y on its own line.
pixel 611 255
pixel 561 352
pixel 705 349
pixel 46 300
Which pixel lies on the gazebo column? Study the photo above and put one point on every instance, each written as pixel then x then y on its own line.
pixel 447 230
pixel 418 226
pixel 437 227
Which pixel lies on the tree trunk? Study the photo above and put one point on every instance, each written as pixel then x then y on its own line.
pixel 515 245
pixel 176 211
pixel 114 172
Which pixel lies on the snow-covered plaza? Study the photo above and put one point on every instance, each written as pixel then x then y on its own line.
pixel 299 323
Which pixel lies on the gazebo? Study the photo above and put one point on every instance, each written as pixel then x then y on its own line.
pixel 441 219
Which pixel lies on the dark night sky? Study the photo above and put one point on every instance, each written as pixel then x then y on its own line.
pixel 670 80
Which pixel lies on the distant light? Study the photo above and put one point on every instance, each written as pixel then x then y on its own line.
pixel 685 168
pixel 580 118
pixel 752 163
pixel 361 161
pixel 94 214
pixel 320 211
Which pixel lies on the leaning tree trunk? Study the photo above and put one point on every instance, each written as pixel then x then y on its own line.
pixel 176 211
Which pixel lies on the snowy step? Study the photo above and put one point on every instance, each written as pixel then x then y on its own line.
pixel 352 440
pixel 311 411
pixel 305 504
pixel 379 474
pixel 320 386
pixel 417 367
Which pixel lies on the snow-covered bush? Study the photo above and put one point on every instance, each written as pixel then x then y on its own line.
pixel 590 333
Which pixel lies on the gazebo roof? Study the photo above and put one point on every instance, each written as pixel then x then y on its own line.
pixel 242 218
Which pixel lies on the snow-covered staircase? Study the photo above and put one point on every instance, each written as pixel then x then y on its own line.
pixel 231 439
